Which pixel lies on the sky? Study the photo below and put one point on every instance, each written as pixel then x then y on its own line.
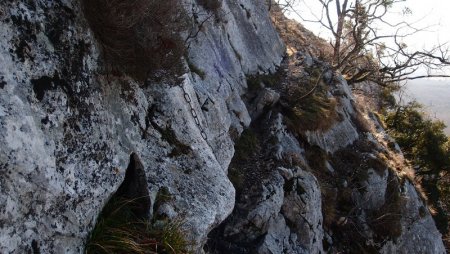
pixel 433 15
pixel 434 95
pixel 425 13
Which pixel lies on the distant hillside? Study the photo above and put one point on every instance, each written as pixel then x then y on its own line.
pixel 434 95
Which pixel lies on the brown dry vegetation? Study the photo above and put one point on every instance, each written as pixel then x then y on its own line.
pixel 138 36
pixel 120 230
pixel 315 112
pixel 307 104
pixel 297 38
pixel 361 123
pixel 210 5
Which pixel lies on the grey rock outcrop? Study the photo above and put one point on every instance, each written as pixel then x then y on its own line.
pixel 300 208
pixel 277 204
pixel 67 127
pixel 330 191
pixel 418 230
pixel 344 132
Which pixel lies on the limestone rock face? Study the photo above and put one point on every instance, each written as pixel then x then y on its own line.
pixel 300 208
pixel 68 127
pixel 337 190
pixel 419 234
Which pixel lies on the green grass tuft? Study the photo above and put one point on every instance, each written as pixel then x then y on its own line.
pixel 196 70
pixel 247 144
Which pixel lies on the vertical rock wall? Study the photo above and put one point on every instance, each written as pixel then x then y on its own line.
pixel 68 127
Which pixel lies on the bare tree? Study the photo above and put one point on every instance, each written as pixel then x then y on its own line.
pixel 361 51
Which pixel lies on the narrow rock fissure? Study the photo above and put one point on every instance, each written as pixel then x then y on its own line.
pixel 122 223
pixel 134 187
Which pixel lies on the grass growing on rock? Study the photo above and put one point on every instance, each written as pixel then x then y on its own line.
pixel 245 148
pixel 247 144
pixel 255 82
pixel 179 148
pixel 196 69
pixel 314 112
pixel 309 106
pixel 119 230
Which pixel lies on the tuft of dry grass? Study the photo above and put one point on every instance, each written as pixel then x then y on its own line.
pixel 329 204
pixel 298 38
pixel 118 230
pixel 314 113
pixel 138 36
pixel 310 107
pixel 361 123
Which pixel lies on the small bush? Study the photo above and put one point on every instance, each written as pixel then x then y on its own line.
pixel 313 113
pixel 422 140
pixel 138 36
pixel 387 99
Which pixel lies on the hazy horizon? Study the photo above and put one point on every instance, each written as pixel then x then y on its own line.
pixel 434 95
